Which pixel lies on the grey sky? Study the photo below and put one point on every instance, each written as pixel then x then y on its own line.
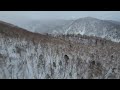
pixel 20 16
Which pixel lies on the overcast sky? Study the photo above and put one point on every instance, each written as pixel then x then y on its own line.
pixel 19 16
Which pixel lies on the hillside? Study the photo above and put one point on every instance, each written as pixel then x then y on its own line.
pixel 95 27
pixel 108 29
pixel 27 55
pixel 46 26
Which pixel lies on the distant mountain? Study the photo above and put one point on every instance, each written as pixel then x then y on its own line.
pixel 46 26
pixel 108 29
pixel 95 27
pixel 112 16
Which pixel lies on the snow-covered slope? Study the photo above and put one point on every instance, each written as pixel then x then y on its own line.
pixel 46 26
pixel 95 27
pixel 27 55
pixel 90 26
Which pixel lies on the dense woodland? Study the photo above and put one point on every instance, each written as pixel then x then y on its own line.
pixel 27 55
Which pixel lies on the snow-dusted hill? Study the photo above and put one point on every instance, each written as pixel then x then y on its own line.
pixel 46 26
pixel 27 55
pixel 108 29
pixel 95 27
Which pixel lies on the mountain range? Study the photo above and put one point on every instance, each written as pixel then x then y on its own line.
pixel 108 29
